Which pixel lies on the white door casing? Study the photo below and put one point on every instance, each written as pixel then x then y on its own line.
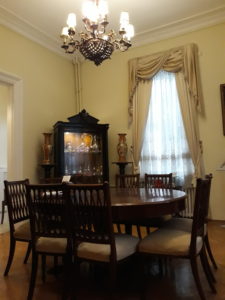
pixel 14 126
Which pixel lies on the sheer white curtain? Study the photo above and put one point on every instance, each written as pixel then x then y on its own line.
pixel 165 147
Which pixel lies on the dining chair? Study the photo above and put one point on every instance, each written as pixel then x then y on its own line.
pixel 159 180
pixel 49 226
pixel 92 228
pixel 15 197
pixel 178 243
pixel 155 181
pixel 128 181
pixel 185 218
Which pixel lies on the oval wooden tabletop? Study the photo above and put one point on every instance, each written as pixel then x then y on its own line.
pixel 128 204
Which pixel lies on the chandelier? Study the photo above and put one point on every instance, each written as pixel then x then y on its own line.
pixel 95 43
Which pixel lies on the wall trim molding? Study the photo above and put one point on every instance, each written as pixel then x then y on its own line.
pixel 23 27
pixel 185 25
pixel 14 125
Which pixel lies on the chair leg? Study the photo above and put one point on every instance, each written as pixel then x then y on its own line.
pixel 11 254
pixel 27 253
pixel 207 270
pixel 139 231
pixel 118 226
pixel 56 265
pixel 148 229
pixel 208 266
pixel 112 277
pixel 43 266
pixel 196 277
pixel 209 251
pixel 33 276
pixel 3 211
pixel 68 278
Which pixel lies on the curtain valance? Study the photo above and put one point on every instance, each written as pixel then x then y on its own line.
pixel 182 59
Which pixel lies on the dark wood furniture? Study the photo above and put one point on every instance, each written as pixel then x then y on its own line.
pixel 188 215
pixel 81 149
pixel 47 168
pixel 159 181
pixel 128 180
pixel 15 197
pixel 129 205
pixel 122 165
pixel 178 243
pixel 49 226
pixel 92 228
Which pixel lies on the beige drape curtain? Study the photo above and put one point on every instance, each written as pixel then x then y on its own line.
pixel 183 61
pixel 77 81
pixel 141 108
pixel 190 119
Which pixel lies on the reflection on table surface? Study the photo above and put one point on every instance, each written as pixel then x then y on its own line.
pixel 142 196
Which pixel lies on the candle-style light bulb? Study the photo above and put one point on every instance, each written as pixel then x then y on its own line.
pixel 129 31
pixel 103 8
pixel 65 31
pixel 90 11
pixel 71 20
pixel 124 19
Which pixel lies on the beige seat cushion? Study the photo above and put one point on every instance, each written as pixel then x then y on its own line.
pixel 168 242
pixel 22 230
pixel 51 245
pixel 183 224
pixel 125 246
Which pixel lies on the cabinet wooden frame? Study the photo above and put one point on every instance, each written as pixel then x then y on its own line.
pixel 78 125
pixel 222 93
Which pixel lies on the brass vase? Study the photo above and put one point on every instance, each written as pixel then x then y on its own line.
pixel 47 148
pixel 122 147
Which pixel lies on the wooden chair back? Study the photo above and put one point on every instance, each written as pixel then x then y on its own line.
pixel 90 214
pixel 48 210
pixel 188 212
pixel 128 180
pixel 201 208
pixel 159 181
pixel 15 197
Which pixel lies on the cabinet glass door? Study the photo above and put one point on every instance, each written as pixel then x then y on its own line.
pixel 83 156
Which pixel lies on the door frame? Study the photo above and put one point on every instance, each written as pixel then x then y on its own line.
pixel 14 126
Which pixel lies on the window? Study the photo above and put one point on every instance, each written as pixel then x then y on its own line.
pixel 165 147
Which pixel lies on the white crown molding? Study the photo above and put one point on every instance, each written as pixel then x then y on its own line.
pixel 198 21
pixel 17 24
pixel 195 22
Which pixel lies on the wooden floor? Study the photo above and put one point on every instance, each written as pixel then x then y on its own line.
pixel 177 284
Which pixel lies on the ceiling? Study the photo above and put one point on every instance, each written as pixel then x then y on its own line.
pixel 42 20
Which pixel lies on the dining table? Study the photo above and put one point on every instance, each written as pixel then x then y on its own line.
pixel 139 204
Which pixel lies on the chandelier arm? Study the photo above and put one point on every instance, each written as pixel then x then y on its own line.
pixel 96 44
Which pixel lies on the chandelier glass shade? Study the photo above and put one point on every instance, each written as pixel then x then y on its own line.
pixel 95 43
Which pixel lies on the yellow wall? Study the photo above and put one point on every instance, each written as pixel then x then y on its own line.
pixel 48 92
pixel 105 96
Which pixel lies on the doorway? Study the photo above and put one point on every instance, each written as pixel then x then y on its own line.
pixel 11 158
pixel 14 125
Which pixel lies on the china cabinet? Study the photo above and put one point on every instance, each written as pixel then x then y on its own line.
pixel 81 149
